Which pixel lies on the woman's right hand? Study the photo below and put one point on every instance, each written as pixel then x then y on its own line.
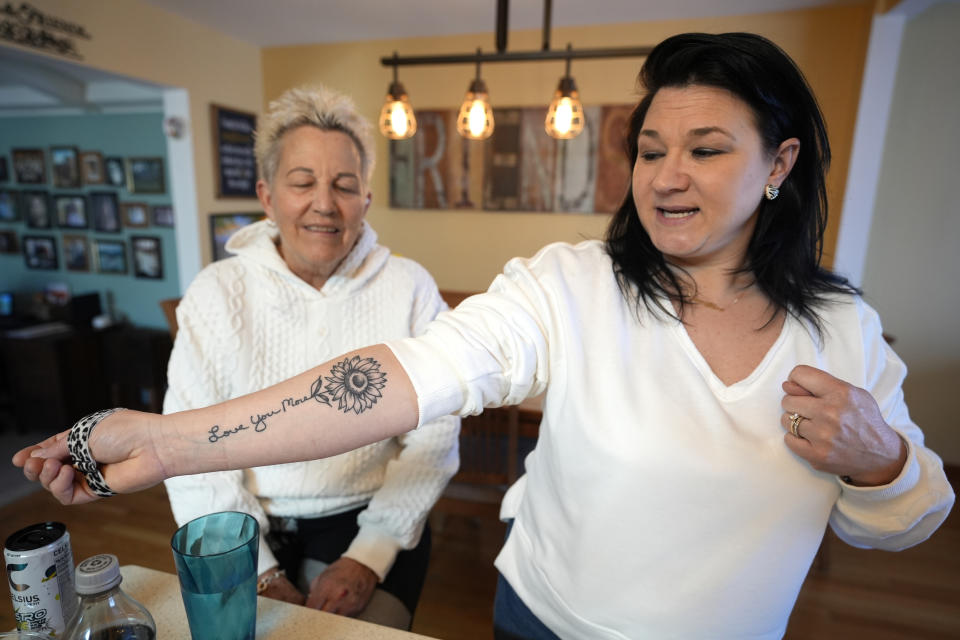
pixel 280 588
pixel 123 445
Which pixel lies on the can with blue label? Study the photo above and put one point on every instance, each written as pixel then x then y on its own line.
pixel 40 571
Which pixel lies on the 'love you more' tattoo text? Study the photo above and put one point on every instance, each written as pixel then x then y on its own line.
pixel 354 383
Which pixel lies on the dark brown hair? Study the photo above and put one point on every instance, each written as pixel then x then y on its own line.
pixel 785 250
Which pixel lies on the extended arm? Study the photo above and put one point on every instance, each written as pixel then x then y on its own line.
pixel 353 400
pixel 489 352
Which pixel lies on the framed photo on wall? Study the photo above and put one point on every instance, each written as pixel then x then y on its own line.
pixel 147 257
pixel 91 167
pixel 9 211
pixel 40 252
pixel 105 211
pixel 8 241
pixel 135 214
pixel 71 211
pixel 163 216
pixel 110 256
pixel 76 253
pixel 36 209
pixel 145 175
pixel 114 172
pixel 66 167
pixel 29 166
pixel 4 172
pixel 222 226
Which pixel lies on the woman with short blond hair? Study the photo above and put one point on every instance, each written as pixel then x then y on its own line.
pixel 347 534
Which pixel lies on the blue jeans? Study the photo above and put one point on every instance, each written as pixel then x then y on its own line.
pixel 512 620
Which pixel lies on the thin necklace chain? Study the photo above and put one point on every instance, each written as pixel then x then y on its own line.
pixel 712 305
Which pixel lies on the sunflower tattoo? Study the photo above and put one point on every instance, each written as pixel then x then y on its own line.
pixel 355 383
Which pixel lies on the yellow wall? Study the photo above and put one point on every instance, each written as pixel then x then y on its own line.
pixel 135 39
pixel 466 249
pixel 463 249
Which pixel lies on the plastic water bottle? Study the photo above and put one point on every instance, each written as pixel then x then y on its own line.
pixel 106 612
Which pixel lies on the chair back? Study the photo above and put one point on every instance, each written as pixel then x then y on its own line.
pixel 489 460
pixel 169 307
pixel 453 298
pixel 488 448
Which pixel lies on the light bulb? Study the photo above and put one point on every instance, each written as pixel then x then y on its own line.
pixel 397 120
pixel 475 120
pixel 563 118
pixel 565 115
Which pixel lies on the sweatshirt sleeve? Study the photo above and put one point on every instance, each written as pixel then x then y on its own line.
pixel 414 480
pixel 194 382
pixel 909 509
pixel 490 351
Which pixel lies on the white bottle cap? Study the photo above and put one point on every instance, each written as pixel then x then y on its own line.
pixel 98 574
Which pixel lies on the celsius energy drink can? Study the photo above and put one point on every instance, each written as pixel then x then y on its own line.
pixel 40 571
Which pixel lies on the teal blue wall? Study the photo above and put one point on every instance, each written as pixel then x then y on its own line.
pixel 124 135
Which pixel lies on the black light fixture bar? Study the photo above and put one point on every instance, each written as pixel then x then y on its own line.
pixel 546 25
pixel 517 56
pixel 503 11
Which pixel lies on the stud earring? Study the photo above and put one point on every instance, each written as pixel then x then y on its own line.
pixel 771 192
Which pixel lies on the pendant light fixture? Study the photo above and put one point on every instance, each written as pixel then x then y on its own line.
pixel 475 120
pixel 565 116
pixel 397 120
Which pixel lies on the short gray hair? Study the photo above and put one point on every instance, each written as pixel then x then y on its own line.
pixel 319 107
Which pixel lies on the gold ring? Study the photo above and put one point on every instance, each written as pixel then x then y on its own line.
pixel 795 419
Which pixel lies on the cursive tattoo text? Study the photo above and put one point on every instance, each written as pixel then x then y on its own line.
pixel 216 434
pixel 355 383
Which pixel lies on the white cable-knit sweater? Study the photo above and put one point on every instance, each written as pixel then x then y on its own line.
pixel 248 322
pixel 660 503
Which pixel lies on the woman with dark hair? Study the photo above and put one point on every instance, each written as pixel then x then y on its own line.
pixel 714 398
pixel 784 252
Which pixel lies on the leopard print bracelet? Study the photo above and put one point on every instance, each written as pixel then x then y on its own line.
pixel 78 444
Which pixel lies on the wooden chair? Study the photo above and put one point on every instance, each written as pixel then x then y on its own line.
pixel 453 298
pixel 489 464
pixel 169 307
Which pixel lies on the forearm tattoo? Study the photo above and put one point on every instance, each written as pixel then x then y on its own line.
pixel 355 384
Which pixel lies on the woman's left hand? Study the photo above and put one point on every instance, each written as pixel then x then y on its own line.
pixel 841 430
pixel 345 588
pixel 125 443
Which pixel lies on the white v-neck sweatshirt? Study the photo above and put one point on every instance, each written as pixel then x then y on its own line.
pixel 659 502
pixel 248 322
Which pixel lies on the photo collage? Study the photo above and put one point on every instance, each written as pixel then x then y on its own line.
pixel 86 196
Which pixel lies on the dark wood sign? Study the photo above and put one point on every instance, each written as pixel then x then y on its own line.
pixel 28 26
pixel 235 168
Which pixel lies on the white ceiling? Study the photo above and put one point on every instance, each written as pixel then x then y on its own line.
pixel 286 22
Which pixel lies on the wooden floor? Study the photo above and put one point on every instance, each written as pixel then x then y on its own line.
pixel 914 594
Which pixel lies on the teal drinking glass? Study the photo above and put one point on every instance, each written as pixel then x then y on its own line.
pixel 216 557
